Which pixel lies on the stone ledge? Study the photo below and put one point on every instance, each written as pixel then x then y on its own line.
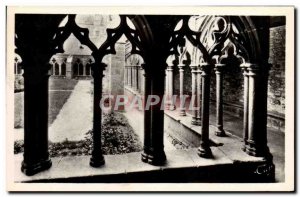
pixel 178 161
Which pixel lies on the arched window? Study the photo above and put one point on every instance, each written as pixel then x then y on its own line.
pixel 63 69
pixel 75 69
pixel 19 68
pixel 56 69
pixel 88 69
pixel 80 69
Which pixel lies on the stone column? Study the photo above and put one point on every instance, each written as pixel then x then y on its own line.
pixel 195 121
pixel 198 94
pixel 134 78
pixel 125 76
pixel 154 119
pixel 166 82
pixel 137 78
pixel 84 69
pixel 143 81
pixel 257 112
pixel 53 65
pixel 204 149
pixel 246 96
pixel 170 86
pixel 219 100
pixel 16 69
pixel 140 70
pixel 181 80
pixel 130 76
pixel 59 71
pixel 36 155
pixel 97 158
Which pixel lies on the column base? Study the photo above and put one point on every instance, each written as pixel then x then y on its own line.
pixel 244 146
pixel 33 169
pixel 196 121
pixel 171 107
pixel 256 150
pixel 205 152
pixel 155 159
pixel 97 162
pixel 220 132
pixel 182 113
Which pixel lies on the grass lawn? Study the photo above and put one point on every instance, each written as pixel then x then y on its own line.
pixel 56 99
pixel 62 84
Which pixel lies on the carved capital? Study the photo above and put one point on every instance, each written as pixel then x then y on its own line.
pixel 253 70
pixel 194 67
pixel 181 66
pixel 244 67
pixel 219 68
pixel 205 68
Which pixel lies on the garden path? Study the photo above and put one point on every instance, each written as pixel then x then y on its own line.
pixel 75 117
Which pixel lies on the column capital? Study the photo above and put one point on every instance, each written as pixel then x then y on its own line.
pixel 169 68
pixel 244 67
pixel 181 66
pixel 205 68
pixel 247 65
pixel 34 72
pixel 219 68
pixel 194 67
pixel 253 70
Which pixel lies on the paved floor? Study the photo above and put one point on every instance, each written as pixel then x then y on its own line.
pixel 75 117
pixel 276 141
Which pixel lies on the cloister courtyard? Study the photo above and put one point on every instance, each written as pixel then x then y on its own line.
pixel 70 123
pixel 94 99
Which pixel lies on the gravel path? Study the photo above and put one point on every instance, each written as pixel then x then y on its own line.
pixel 75 117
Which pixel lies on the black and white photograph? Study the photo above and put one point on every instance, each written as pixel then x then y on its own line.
pixel 150 99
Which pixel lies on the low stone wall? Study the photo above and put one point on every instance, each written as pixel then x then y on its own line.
pixel 181 134
pixel 275 121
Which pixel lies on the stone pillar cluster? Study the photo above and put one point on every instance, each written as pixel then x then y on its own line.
pixel 219 100
pixel 154 119
pixel 204 149
pixel 133 78
pixel 195 94
pixel 169 80
pixel 255 111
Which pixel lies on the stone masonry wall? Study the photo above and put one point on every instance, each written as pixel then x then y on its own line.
pixel 276 88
